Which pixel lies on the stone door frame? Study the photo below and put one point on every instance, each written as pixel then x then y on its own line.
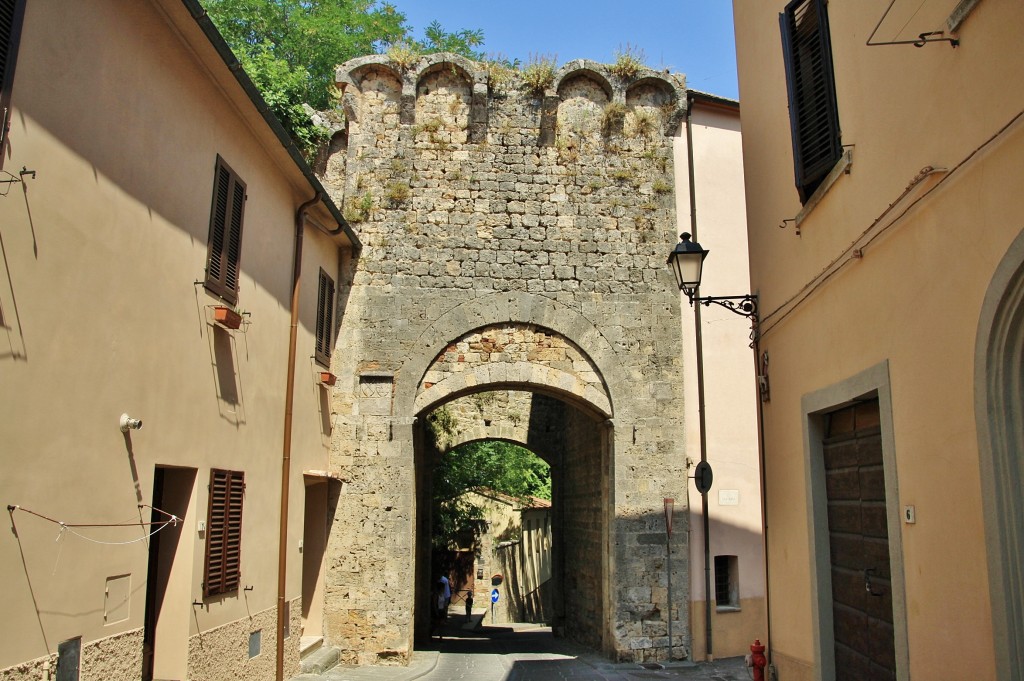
pixel 873 382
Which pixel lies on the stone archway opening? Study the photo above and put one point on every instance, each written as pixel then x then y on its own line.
pixel 492 514
pixel 528 386
pixel 574 441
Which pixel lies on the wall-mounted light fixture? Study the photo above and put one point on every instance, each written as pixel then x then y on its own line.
pixel 128 423
pixel 687 263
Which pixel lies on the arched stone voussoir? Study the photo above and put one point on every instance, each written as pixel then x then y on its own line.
pixel 517 307
pixel 586 68
pixel 352 71
pixel 470 70
pixel 520 375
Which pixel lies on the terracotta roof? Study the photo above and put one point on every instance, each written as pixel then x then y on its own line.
pixel 522 503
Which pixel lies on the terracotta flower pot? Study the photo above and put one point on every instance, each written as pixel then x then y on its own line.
pixel 227 317
pixel 327 378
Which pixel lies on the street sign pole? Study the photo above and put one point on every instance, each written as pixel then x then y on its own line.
pixel 669 503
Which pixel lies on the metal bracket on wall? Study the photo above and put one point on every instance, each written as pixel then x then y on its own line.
pixel 11 179
pixel 922 38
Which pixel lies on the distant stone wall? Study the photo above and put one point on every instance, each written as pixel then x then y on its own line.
pixel 486 209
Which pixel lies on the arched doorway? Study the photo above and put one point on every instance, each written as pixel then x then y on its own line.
pixel 999 409
pixel 532 386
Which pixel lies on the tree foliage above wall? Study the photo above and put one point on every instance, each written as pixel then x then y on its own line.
pixel 489 464
pixel 290 48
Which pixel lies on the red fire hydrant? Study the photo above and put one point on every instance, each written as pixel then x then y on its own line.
pixel 758 660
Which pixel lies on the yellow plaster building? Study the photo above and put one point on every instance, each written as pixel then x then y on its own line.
pixel 890 280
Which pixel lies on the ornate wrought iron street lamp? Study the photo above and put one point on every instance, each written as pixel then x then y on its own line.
pixel 687 264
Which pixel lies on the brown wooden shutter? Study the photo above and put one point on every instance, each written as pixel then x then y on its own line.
pixel 324 319
pixel 224 532
pixel 813 112
pixel 12 12
pixel 225 243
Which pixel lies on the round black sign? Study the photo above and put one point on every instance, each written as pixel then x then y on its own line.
pixel 702 477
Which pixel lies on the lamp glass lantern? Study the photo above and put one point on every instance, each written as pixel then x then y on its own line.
pixel 687 261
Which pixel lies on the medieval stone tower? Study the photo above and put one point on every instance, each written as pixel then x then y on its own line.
pixel 514 240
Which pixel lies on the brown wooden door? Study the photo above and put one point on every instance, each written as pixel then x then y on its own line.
pixel 859 546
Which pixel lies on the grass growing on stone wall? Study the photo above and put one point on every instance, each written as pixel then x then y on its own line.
pixel 660 162
pixel 660 186
pixel 358 208
pixel 398 192
pixel 539 74
pixel 629 61
pixel 500 72
pixel 567 148
pixel 431 126
pixel 622 174
pixel 403 55
pixel 612 117
pixel 642 123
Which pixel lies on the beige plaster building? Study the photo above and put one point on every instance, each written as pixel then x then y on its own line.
pixel 890 282
pixel 145 443
pixel 712 131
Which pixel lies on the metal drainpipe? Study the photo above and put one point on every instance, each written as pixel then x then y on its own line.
pixel 764 507
pixel 286 450
pixel 708 651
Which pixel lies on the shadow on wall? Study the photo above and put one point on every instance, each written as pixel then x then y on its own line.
pixel 226 378
pixel 533 606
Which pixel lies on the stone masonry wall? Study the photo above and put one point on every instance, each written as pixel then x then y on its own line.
pixel 481 204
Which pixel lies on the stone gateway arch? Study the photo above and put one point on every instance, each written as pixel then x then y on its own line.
pixel 514 240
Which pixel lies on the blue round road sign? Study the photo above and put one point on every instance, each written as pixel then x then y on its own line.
pixel 494 595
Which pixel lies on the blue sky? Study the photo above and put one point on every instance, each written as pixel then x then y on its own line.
pixel 689 36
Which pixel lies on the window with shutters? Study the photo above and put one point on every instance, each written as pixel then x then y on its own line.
pixel 11 14
pixel 813 112
pixel 324 319
pixel 224 532
pixel 225 243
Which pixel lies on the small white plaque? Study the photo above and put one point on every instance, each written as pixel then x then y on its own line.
pixel 728 497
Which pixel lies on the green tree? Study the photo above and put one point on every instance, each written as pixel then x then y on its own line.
pixel 290 48
pixel 491 464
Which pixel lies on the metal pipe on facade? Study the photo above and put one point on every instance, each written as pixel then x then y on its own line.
pixel 708 651
pixel 758 368
pixel 286 450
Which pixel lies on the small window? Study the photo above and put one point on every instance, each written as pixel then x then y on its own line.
pixel 225 243
pixel 324 319
pixel 727 582
pixel 69 659
pixel 255 643
pixel 224 532
pixel 813 112
pixel 11 14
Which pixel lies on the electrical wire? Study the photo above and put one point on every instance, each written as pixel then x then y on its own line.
pixel 851 252
pixel 69 528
